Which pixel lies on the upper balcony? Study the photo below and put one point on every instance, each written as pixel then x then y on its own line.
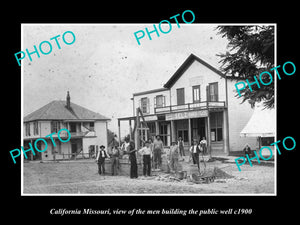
pixel 190 107
pixel 78 134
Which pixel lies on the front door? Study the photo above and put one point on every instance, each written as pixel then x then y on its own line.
pixel 184 134
pixel 163 131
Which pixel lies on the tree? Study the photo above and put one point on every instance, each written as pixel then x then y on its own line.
pixel 251 52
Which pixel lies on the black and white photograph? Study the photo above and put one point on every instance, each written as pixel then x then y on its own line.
pixel 146 112
pixel 149 113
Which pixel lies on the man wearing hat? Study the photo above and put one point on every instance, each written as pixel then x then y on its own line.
pixel 102 155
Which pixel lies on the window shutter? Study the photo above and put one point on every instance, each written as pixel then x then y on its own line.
pixel 216 92
pixel 148 105
pixel 154 102
pixel 207 94
pixel 164 101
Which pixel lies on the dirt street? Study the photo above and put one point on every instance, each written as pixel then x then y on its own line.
pixel 81 177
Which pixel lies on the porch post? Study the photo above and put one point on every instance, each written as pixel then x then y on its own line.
pixel 137 130
pixel 130 129
pixel 173 132
pixel 31 155
pixel 206 130
pixel 119 133
pixel 190 131
pixel 208 135
pixel 225 132
pixel 156 128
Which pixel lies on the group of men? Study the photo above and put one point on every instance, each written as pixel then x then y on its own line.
pixel 151 155
pixel 114 155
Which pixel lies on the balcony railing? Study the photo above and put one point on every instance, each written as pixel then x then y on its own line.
pixel 78 134
pixel 189 107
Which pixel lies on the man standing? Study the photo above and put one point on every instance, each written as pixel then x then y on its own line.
pixel 195 150
pixel 203 145
pixel 174 155
pixel 146 152
pixel 158 147
pixel 101 159
pixel 181 148
pixel 130 149
pixel 114 156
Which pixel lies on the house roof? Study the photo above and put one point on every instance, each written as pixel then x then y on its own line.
pixel 185 65
pixel 150 91
pixel 57 110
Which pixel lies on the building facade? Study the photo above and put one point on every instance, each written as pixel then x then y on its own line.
pixel 197 101
pixel 88 130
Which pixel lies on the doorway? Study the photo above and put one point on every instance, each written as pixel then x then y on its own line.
pixel 164 134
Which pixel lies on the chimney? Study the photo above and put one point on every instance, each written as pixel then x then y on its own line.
pixel 68 101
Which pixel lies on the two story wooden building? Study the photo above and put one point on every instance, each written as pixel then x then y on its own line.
pixel 88 130
pixel 197 101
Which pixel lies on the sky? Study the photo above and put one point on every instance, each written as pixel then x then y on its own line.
pixel 105 65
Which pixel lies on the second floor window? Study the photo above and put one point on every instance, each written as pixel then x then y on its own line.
pixel 180 96
pixel 73 127
pixel 35 128
pixel 159 101
pixel 27 129
pixel 213 92
pixel 196 94
pixel 144 104
pixel 55 126
pixel 92 126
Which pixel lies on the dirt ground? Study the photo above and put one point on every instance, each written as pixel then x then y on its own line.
pixel 81 177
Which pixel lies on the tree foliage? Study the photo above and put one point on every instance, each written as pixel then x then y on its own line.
pixel 251 52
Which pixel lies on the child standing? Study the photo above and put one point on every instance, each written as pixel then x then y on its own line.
pixel 203 145
pixel 181 148
pixel 146 152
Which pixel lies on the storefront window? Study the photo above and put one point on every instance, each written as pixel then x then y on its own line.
pixel 216 124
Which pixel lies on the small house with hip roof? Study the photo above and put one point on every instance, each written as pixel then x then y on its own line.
pixel 88 130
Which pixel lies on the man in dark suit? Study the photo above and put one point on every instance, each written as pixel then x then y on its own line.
pixel 102 155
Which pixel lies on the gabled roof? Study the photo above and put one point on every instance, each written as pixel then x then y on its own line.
pixel 185 65
pixel 57 110
pixel 150 91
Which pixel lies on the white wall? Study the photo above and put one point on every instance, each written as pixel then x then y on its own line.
pixel 100 139
pixel 238 116
pixel 197 74
pixel 151 97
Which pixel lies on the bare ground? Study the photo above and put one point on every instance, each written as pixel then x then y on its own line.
pixel 81 177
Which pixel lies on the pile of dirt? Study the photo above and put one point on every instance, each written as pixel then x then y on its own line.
pixel 220 174
pixel 167 178
pixel 209 176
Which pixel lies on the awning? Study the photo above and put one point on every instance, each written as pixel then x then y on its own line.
pixel 261 124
